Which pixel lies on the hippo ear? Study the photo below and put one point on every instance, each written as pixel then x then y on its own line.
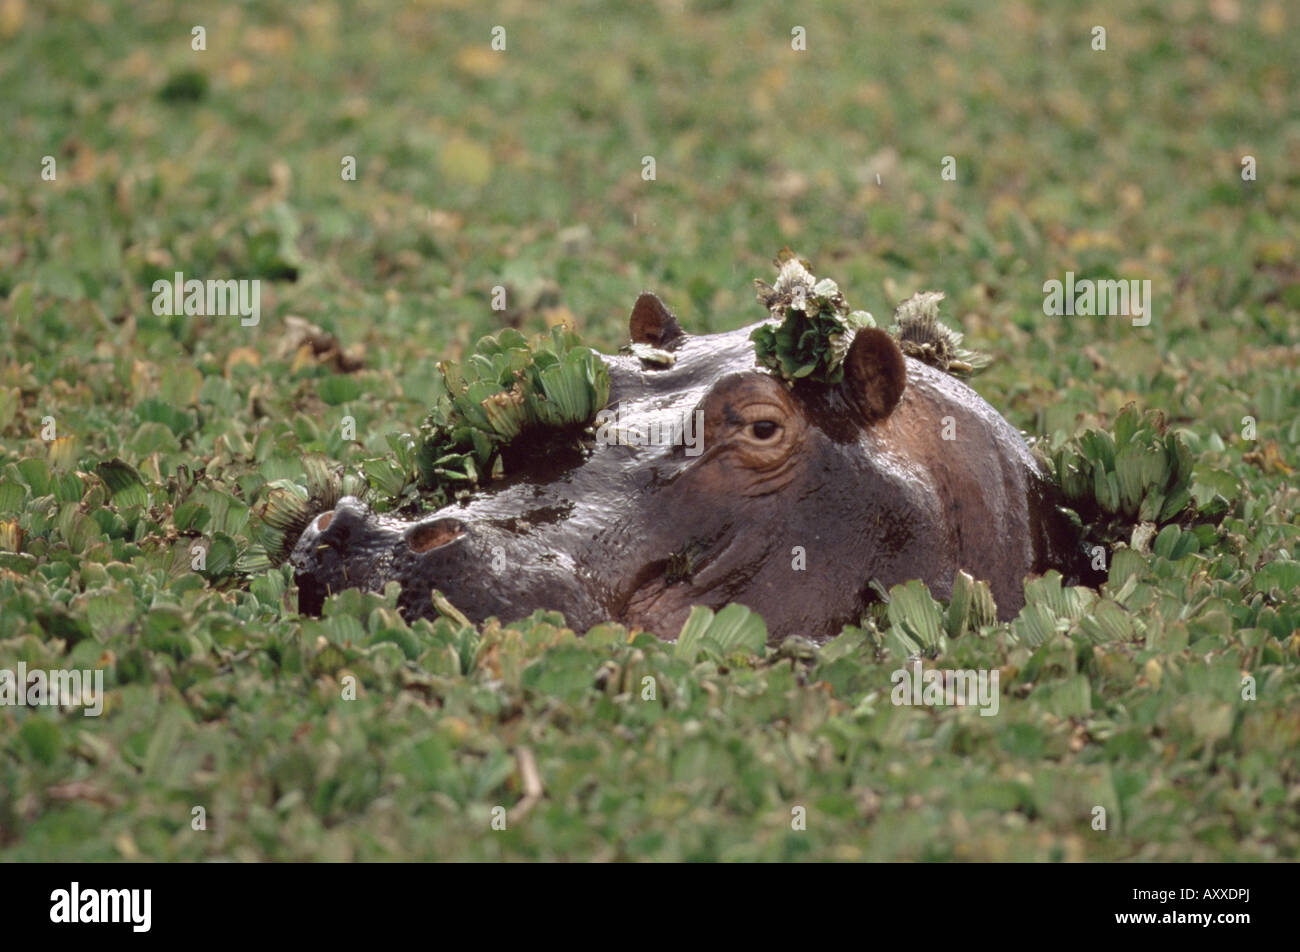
pixel 875 373
pixel 652 323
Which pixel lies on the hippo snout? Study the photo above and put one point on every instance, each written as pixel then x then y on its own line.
pixel 342 548
pixel 352 529
pixel 484 563
pixel 338 528
pixel 352 546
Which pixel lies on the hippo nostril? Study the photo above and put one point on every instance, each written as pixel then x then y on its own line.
pixel 344 524
pixel 430 535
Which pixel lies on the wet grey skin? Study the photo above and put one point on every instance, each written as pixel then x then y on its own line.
pixel 856 477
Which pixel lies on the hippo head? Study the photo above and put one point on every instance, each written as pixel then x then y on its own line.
pixel 709 480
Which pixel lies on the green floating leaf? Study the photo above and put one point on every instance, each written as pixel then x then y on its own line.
pixel 971 607
pixel 78 530
pixel 153 410
pixel 110 612
pixel 385 474
pixel 221 556
pixel 447 610
pixel 984 610
pixel 1284 575
pixel 191 516
pixel 125 486
pixel 19 562
pixel 1070 698
pixel 1125 564
pixel 1177 544
pixel 338 389
pixel 914 611
pixel 67 487
pixel 734 629
pixel 957 615
pixel 152 438
pixel 506 390
pixel 692 633
pixel 1063 602
pixel 1175 504
pixel 36 473
pixel 1034 626
pixel 1107 622
pixel 737 629
pixel 12 494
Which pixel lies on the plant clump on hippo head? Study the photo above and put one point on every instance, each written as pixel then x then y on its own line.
pixel 799 466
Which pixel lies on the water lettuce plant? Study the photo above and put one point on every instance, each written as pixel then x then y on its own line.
pixel 816 325
pixel 816 328
pixel 507 390
pixel 1136 471
pixel 922 335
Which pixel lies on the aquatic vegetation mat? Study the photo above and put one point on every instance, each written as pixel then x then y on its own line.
pixel 130 544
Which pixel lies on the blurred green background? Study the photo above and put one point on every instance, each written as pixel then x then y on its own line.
pixel 523 168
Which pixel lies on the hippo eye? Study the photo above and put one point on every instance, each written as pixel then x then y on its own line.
pixel 764 429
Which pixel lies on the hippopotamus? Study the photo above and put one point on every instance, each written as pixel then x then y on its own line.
pixel 789 498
